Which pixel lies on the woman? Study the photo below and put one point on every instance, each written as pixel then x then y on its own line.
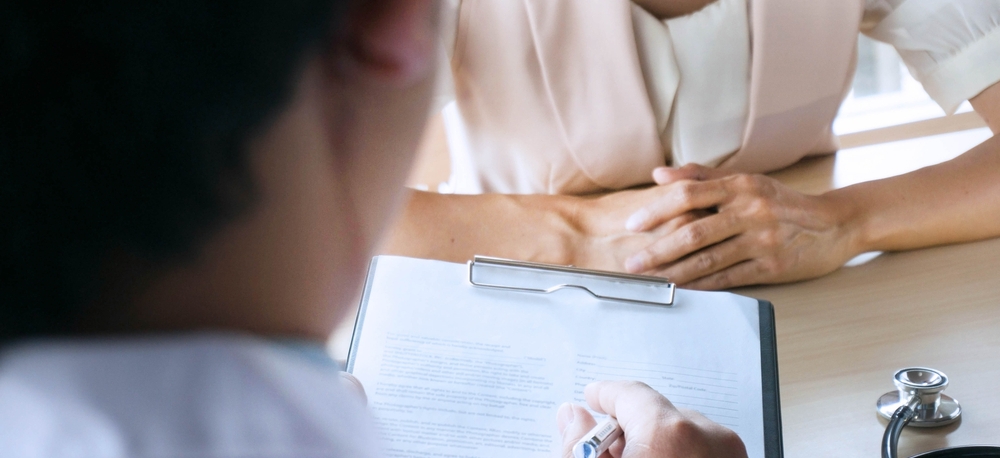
pixel 583 98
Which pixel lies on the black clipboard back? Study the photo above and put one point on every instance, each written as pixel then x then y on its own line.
pixel 773 445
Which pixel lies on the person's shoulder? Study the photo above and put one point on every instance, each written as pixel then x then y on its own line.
pixel 203 395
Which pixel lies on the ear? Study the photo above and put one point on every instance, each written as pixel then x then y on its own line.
pixel 394 40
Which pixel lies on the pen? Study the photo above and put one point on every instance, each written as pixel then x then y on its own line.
pixel 598 440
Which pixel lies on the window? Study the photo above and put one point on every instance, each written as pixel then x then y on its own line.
pixel 884 94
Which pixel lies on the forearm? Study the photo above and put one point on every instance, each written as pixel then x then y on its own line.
pixel 456 227
pixel 956 201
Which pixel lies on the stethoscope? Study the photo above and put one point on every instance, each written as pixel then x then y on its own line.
pixel 919 401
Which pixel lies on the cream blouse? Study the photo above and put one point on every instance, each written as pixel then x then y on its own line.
pixel 951 46
pixel 563 96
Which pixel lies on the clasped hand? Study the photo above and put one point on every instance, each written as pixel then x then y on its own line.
pixel 728 229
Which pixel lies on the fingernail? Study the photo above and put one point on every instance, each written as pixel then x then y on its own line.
pixel 637 221
pixel 565 416
pixel 635 264
pixel 661 174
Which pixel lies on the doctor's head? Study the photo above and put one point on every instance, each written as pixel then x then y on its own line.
pixel 179 165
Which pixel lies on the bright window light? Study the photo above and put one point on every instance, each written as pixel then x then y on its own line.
pixel 883 93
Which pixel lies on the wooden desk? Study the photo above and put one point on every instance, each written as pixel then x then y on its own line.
pixel 842 336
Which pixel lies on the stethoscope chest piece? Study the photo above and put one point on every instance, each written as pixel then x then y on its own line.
pixel 920 388
pixel 918 401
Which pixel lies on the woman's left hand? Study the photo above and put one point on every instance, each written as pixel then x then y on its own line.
pixel 760 231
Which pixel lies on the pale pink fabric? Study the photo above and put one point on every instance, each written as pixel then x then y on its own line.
pixel 553 97
pixel 802 64
pixel 536 75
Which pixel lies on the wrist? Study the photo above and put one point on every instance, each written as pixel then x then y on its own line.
pixel 596 230
pixel 572 219
pixel 544 228
pixel 852 219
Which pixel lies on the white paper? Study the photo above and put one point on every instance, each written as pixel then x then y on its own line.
pixel 452 370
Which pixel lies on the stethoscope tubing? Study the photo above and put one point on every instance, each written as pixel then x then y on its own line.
pixel 902 416
pixel 890 439
pixel 964 451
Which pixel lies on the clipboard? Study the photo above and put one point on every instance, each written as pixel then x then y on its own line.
pixel 520 277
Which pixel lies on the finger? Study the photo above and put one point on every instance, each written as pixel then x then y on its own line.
pixel 353 384
pixel 678 198
pixel 749 272
pixel 667 175
pixel 680 221
pixel 574 422
pixel 708 260
pixel 617 448
pixel 684 241
pixel 631 403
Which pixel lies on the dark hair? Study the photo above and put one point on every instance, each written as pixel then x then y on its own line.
pixel 122 129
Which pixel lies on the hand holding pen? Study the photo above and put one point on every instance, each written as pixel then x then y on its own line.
pixel 651 426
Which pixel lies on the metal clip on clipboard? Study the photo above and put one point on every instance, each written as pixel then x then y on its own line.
pixel 533 277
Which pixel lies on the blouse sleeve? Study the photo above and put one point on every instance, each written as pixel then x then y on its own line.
pixel 951 46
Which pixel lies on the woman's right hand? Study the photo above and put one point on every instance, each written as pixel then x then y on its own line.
pixel 653 427
pixel 757 230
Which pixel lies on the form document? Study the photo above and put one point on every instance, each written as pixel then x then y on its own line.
pixel 452 370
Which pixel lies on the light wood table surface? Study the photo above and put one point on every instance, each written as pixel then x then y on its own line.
pixel 841 337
